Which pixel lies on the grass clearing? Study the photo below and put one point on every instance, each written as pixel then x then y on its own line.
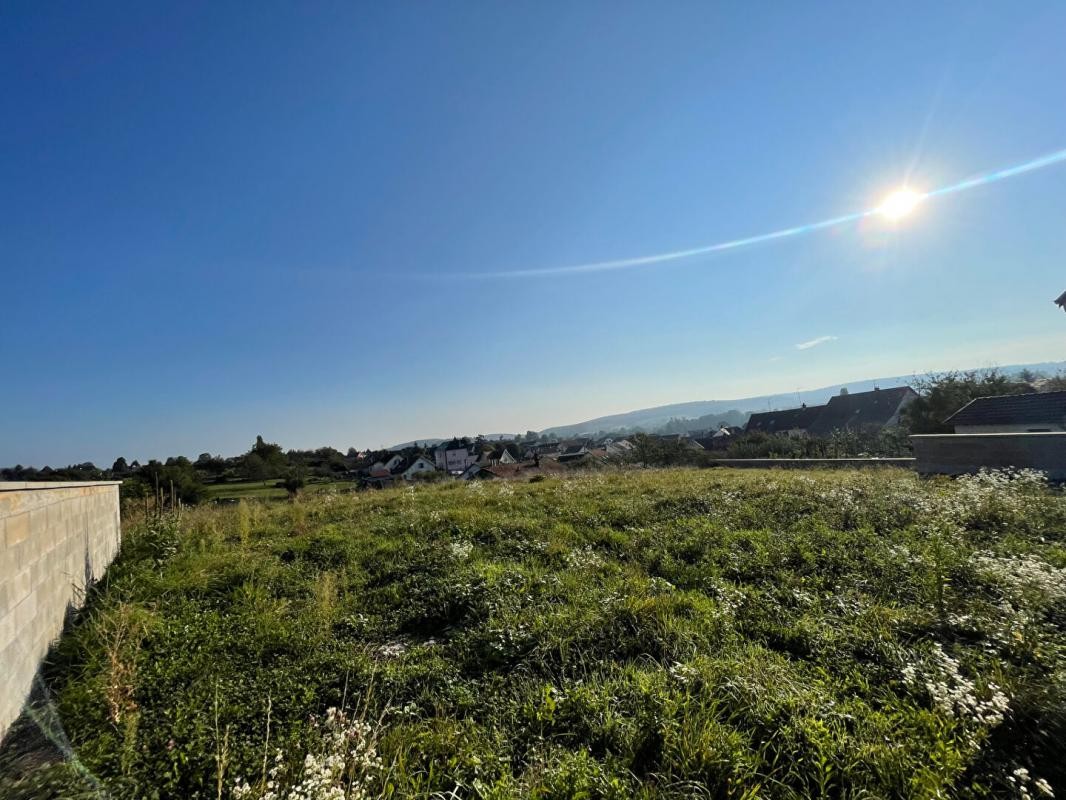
pixel 671 633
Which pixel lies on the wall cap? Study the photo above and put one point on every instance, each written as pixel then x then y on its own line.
pixel 1001 435
pixel 22 486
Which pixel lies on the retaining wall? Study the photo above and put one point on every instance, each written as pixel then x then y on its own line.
pixel 961 453
pixel 56 539
pixel 807 463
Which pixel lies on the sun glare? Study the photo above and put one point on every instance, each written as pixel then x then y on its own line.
pixel 900 203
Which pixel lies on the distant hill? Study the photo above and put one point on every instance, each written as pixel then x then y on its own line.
pixel 650 419
pixel 492 437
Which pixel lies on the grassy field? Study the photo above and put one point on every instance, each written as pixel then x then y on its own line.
pixel 267 490
pixel 657 634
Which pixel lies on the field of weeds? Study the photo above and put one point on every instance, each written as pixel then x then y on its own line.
pixel 644 634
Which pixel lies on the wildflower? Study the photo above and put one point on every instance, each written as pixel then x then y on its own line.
pixel 393 649
pixel 1023 575
pixel 343 764
pixel 461 550
pixel 957 696
pixel 682 673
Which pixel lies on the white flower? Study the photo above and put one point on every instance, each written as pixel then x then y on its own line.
pixel 461 550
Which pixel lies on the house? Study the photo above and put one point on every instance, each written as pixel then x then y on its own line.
pixel 1012 413
pixel 477 472
pixel 398 468
pixel 542 449
pixel 384 467
pixel 491 456
pixel 618 448
pixel 454 456
pixel 573 452
pixel 719 440
pixel 416 466
pixel 862 411
pixel 790 421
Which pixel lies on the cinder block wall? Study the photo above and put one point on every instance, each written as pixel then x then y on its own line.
pixel 960 453
pixel 55 539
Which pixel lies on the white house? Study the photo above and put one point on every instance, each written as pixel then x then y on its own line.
pixel 386 467
pixel 454 456
pixel 417 467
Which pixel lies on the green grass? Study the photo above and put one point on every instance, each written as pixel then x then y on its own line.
pixel 266 490
pixel 658 634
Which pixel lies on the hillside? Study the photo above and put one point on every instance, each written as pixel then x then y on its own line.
pixel 669 634
pixel 651 418
pixel 431 442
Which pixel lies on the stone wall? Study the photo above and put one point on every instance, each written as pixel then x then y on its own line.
pixel 55 540
pixel 960 453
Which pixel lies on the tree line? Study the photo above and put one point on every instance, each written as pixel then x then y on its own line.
pixel 179 478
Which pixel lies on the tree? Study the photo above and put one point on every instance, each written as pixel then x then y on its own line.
pixel 1056 383
pixel 177 473
pixel 645 449
pixel 266 459
pixel 210 465
pixel 120 467
pixel 254 468
pixel 293 482
pixel 940 396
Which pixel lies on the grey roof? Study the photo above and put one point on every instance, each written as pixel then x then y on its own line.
pixel 873 409
pixel 1012 409
pixel 785 420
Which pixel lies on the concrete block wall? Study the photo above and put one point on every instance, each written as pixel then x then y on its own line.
pixel 961 453
pixel 55 540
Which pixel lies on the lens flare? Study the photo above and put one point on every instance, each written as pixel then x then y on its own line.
pixel 895 206
pixel 900 203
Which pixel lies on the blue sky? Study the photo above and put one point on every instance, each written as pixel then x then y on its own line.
pixel 219 220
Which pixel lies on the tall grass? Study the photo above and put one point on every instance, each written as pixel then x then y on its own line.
pixel 656 634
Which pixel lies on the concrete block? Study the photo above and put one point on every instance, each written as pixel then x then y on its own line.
pixel 7 630
pixel 25 613
pixel 17 529
pixel 19 586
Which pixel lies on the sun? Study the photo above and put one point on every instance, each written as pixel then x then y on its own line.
pixel 900 203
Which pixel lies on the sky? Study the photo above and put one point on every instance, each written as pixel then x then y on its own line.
pixel 297 219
